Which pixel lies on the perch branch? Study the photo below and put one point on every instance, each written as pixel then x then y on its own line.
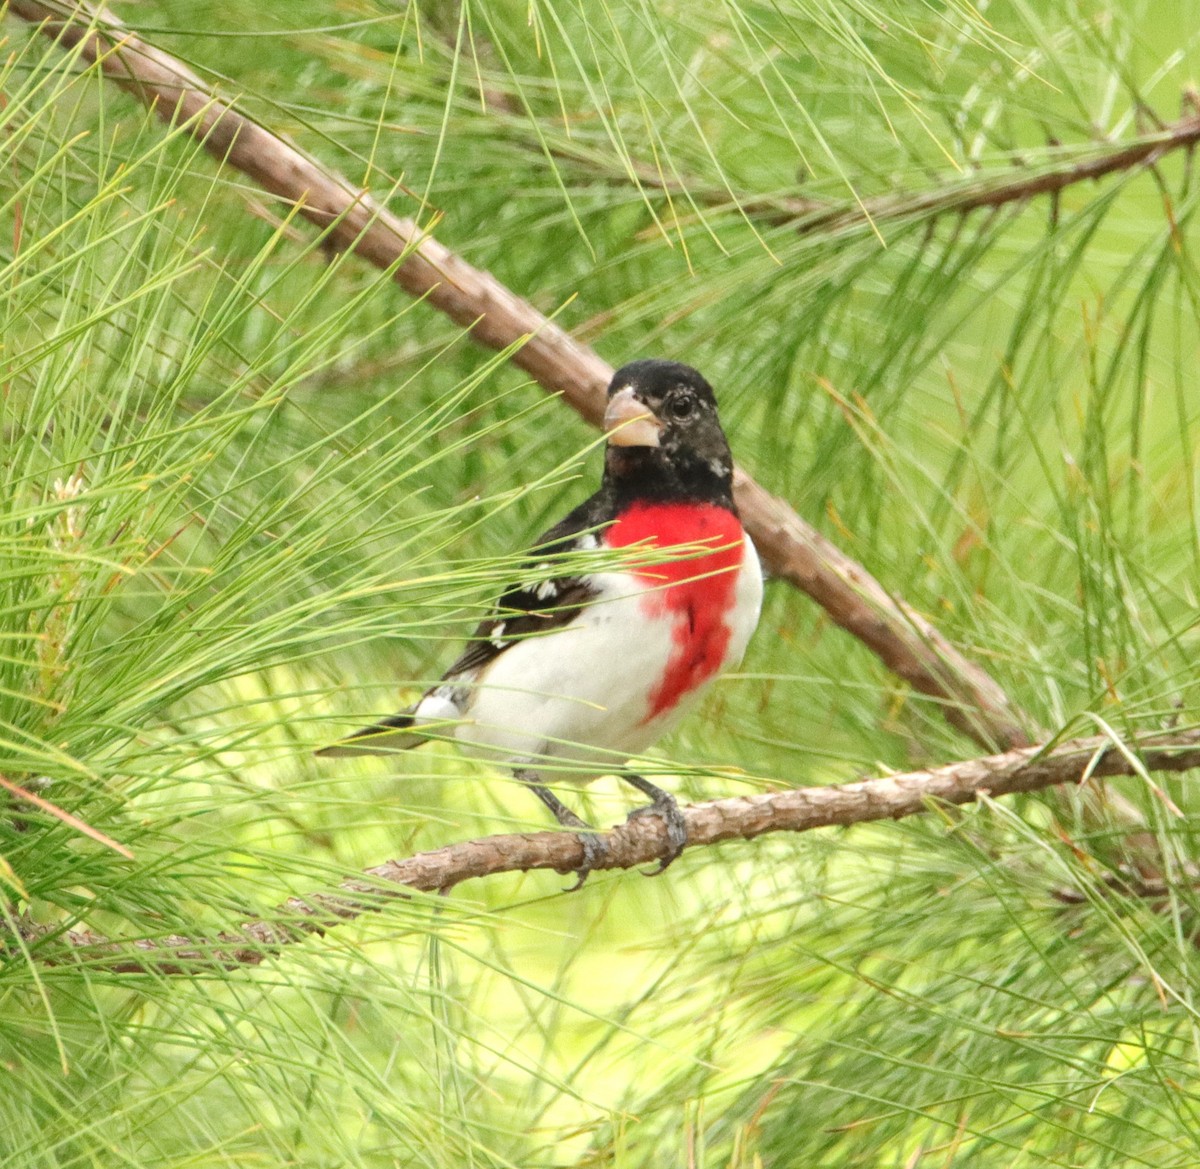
pixel 791 548
pixel 637 842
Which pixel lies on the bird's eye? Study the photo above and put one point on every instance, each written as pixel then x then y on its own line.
pixel 681 408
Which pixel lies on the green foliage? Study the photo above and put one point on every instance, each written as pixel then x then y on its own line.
pixel 251 495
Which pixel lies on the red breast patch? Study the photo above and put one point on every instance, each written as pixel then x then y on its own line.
pixel 695 591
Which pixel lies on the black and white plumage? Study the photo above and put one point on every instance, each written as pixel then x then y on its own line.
pixel 576 671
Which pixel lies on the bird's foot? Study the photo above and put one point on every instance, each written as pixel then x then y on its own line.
pixel 595 850
pixel 595 853
pixel 667 808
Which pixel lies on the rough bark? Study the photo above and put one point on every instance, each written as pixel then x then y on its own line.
pixel 637 842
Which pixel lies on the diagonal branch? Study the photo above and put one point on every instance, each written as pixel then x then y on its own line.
pixel 791 548
pixel 636 842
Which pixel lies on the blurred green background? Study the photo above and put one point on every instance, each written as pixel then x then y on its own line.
pixel 250 495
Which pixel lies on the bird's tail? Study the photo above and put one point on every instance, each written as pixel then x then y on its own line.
pixel 385 737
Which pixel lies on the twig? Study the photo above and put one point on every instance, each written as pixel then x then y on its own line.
pixel 637 842
pixel 1067 167
pixel 1026 184
pixel 1128 884
pixel 791 548
pixel 69 820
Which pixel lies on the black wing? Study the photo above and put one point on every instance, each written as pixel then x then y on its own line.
pixel 542 602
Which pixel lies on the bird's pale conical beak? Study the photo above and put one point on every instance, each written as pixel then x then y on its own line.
pixel 629 422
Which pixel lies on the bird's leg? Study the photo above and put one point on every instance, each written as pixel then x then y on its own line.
pixel 594 849
pixel 666 806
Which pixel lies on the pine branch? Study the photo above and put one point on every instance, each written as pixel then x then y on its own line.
pixel 637 842
pixel 814 215
pixel 1069 166
pixel 1069 170
pixel 791 548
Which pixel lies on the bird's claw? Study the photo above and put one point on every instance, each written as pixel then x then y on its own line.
pixel 666 807
pixel 595 852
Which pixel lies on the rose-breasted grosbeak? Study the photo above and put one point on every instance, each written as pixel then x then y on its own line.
pixel 574 672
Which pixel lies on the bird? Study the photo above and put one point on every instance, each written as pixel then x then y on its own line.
pixel 591 658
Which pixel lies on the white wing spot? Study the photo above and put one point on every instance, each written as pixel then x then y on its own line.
pixel 532 585
pixel 437 706
pixel 546 590
pixel 498 636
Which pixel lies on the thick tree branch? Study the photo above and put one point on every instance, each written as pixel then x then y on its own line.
pixel 792 549
pixel 637 842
